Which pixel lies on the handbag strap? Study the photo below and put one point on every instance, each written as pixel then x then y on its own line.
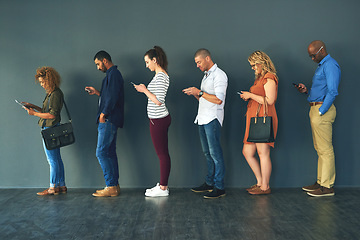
pixel 67 110
pixel 265 108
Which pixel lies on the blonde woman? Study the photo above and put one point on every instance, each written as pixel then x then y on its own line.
pixel 49 116
pixel 265 86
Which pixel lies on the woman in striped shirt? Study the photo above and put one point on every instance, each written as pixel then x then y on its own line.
pixel 159 116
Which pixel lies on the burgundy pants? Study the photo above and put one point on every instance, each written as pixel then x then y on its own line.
pixel 159 135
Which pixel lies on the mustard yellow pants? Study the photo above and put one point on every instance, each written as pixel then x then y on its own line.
pixel 321 127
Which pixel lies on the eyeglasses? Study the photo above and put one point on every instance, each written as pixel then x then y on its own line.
pixel 314 55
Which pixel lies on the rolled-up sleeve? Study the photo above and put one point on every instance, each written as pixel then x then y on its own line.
pixel 220 85
pixel 333 73
pixel 56 102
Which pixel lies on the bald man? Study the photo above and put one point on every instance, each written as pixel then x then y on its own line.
pixel 322 114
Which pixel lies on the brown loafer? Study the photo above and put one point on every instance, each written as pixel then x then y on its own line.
pixel 107 192
pixel 252 187
pixel 63 189
pixel 259 191
pixel 49 191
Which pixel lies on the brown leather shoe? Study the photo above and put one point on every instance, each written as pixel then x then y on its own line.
pixel 49 191
pixel 259 191
pixel 312 188
pixel 63 189
pixel 107 192
pixel 322 192
pixel 117 187
pixel 252 187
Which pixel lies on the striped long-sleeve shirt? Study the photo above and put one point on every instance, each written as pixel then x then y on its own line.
pixel 158 86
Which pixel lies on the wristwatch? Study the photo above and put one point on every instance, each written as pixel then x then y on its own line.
pixel 200 94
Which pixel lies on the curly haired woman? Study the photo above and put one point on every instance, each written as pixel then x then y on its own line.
pixel 49 116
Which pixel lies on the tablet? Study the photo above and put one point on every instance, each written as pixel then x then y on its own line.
pixel 22 105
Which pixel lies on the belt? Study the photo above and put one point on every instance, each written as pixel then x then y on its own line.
pixel 315 103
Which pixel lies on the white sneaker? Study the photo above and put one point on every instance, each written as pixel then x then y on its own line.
pixel 151 189
pixel 157 192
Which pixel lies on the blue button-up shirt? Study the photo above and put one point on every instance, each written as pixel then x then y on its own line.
pixel 325 83
pixel 111 102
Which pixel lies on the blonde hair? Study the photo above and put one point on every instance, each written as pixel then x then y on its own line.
pixel 50 76
pixel 259 57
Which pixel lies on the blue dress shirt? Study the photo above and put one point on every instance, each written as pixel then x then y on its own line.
pixel 111 102
pixel 325 83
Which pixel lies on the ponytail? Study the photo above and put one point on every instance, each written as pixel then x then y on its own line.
pixel 160 56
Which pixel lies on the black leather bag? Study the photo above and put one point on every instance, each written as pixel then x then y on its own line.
pixel 261 128
pixel 60 135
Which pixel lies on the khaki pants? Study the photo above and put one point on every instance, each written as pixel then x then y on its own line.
pixel 321 127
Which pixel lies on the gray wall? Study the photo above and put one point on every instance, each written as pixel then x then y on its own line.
pixel 67 34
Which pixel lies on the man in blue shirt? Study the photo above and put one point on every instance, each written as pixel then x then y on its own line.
pixel 322 114
pixel 110 117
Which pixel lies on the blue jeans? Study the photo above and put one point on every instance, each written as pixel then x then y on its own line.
pixel 210 142
pixel 106 153
pixel 57 175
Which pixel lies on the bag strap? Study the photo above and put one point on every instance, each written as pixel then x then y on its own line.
pixel 67 110
pixel 265 108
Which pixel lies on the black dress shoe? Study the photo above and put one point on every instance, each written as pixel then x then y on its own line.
pixel 216 193
pixel 203 188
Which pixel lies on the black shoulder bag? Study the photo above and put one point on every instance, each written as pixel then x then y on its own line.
pixel 59 135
